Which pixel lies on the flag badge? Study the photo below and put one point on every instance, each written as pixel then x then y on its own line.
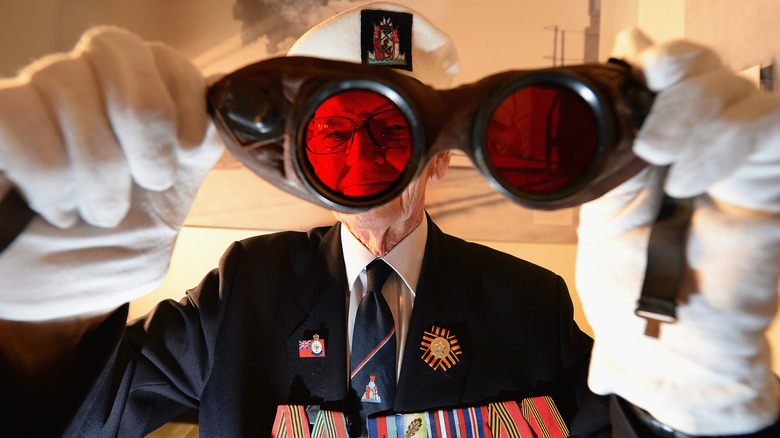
pixel 312 347
pixel 440 348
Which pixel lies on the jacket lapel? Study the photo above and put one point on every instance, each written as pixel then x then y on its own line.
pixel 441 302
pixel 323 379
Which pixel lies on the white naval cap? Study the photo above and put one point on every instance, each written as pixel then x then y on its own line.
pixel 384 34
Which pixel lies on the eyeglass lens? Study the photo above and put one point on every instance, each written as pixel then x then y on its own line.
pixel 542 138
pixel 358 142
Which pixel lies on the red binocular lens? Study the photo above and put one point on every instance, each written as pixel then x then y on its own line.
pixel 351 137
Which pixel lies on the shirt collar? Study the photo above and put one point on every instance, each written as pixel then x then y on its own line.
pixel 406 257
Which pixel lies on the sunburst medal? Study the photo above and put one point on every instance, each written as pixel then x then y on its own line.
pixel 440 348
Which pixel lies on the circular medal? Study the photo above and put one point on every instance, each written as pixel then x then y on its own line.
pixel 316 347
pixel 440 347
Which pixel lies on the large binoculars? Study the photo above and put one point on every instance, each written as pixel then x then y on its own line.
pixel 350 137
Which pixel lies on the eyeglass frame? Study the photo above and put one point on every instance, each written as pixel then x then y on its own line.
pixel 346 144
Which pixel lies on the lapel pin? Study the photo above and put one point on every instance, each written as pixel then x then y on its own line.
pixel 314 347
pixel 440 348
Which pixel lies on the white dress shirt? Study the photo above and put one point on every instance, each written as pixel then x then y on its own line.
pixel 399 289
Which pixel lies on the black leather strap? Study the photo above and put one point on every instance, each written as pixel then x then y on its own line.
pixel 665 263
pixel 14 217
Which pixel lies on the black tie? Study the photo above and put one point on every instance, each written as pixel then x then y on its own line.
pixel 373 346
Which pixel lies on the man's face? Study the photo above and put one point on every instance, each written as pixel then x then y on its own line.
pixel 358 143
pixel 407 210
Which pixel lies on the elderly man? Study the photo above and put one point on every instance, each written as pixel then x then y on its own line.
pixel 240 344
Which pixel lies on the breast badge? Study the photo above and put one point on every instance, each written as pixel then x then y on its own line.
pixel 440 348
pixel 314 347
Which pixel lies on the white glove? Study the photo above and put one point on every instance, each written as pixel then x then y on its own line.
pixel 108 143
pixel 710 372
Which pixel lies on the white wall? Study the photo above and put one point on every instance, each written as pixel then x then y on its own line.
pixel 28 30
pixel 662 20
pixel 33 28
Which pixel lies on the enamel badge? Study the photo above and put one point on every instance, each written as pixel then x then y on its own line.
pixel 440 348
pixel 312 348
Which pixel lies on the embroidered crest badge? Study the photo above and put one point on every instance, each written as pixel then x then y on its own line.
pixel 386 38
pixel 371 394
pixel 440 348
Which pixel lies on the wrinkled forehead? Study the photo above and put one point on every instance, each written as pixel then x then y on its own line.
pixel 352 103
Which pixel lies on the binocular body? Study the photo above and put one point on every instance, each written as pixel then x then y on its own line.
pixel 546 139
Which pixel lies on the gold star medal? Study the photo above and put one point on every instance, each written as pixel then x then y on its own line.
pixel 440 348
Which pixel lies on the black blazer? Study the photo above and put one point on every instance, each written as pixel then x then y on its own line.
pixel 230 347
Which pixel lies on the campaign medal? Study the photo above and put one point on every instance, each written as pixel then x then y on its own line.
pixel 440 348
pixel 314 347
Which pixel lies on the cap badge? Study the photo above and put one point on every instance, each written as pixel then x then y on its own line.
pixel 386 38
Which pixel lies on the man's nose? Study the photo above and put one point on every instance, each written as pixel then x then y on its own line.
pixel 364 150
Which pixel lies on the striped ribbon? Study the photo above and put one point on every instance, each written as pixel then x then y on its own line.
pixel 455 423
pixel 507 421
pixel 330 424
pixel 536 417
pixel 291 422
pixel 544 418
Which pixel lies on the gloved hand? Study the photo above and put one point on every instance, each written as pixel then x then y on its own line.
pixel 108 144
pixel 709 373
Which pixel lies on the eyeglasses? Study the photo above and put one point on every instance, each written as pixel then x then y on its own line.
pixel 547 138
pixel 388 129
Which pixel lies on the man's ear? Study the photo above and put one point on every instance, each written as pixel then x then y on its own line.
pixel 439 165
